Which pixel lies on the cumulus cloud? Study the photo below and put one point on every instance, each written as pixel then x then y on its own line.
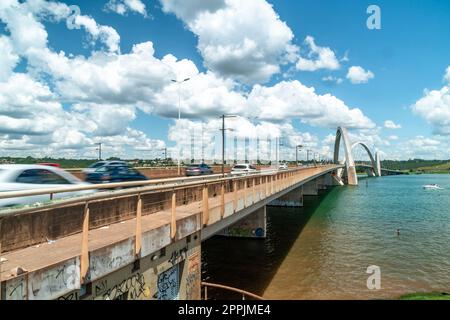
pixel 318 58
pixel 447 75
pixel 102 92
pixel 292 99
pixel 434 107
pixel 249 48
pixel 357 75
pixel 391 125
pixel 23 21
pixel 122 7
pixel 332 80
pixel 247 140
pixel 8 58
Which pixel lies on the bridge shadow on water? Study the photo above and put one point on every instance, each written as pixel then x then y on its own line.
pixel 250 264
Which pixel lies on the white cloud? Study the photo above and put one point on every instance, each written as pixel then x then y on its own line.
pixel 123 6
pixel 295 100
pixel 358 75
pixel 331 79
pixel 8 58
pixel 22 20
pixel 204 138
pixel 434 107
pixel 391 125
pixel 447 75
pixel 393 137
pixel 318 58
pixel 234 43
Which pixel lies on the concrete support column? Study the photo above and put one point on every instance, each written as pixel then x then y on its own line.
pixel 310 188
pixel 291 199
pixel 252 226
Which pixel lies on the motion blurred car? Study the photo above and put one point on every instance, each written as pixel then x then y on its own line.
pixel 244 168
pixel 114 173
pixel 21 177
pixel 283 166
pixel 102 163
pixel 198 169
pixel 51 164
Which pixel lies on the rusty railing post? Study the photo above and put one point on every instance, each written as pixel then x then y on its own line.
pixel 173 220
pixel 205 201
pixel 84 261
pixel 138 235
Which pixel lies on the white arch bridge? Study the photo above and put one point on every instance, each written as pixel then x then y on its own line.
pixel 348 173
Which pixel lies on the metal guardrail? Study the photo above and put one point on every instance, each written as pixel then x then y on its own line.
pixel 244 293
pixel 141 187
pixel 157 182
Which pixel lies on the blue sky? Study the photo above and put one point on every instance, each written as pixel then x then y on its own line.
pixel 258 59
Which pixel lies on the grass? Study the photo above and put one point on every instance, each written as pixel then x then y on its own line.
pixel 436 168
pixel 426 296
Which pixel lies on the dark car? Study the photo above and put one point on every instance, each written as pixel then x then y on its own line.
pixel 102 163
pixel 198 169
pixel 114 173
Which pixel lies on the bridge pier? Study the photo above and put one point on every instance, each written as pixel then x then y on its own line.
pixel 252 226
pixel 291 199
pixel 311 188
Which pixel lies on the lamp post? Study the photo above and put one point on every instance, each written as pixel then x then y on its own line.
pixel 307 155
pixel 223 140
pixel 179 113
pixel 99 150
pixel 299 146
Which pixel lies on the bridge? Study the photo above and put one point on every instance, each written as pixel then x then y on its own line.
pixel 143 241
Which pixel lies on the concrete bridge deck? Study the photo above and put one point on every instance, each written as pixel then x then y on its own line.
pixel 95 237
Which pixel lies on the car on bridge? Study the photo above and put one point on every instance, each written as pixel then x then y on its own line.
pixel 114 173
pixel 198 169
pixel 243 168
pixel 282 166
pixel 102 163
pixel 22 177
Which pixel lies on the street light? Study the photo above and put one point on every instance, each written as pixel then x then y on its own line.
pixel 99 150
pixel 179 113
pixel 299 146
pixel 307 155
pixel 223 139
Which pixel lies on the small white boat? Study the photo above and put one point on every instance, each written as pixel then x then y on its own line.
pixel 432 186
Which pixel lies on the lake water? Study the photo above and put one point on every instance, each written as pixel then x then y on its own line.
pixel 322 251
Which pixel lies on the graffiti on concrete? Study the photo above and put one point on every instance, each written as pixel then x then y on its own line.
pixel 70 296
pixel 193 277
pixel 168 284
pixel 129 289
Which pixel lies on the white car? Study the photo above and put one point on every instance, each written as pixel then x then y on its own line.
pixel 243 168
pixel 283 166
pixel 21 177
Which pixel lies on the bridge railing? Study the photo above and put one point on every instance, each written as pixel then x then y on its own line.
pixel 244 294
pixel 210 200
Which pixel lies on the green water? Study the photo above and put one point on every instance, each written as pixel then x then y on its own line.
pixel 322 251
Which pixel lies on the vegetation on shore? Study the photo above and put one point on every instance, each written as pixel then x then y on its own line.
pixel 426 296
